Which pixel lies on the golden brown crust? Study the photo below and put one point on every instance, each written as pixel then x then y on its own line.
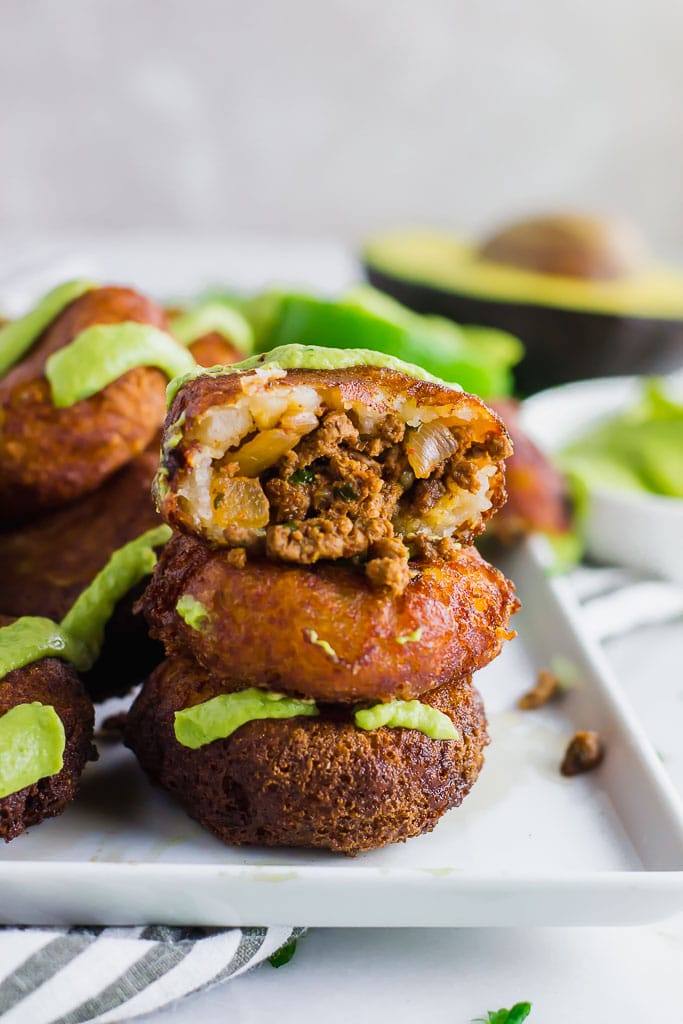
pixel 537 493
pixel 54 683
pixel 51 456
pixel 308 782
pixel 264 620
pixel 47 564
pixel 214 350
pixel 369 385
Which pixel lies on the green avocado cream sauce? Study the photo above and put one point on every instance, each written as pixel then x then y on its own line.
pixel 78 638
pixel 101 354
pixel 213 318
pixel 638 449
pixel 220 717
pixel 31 638
pixel 408 714
pixel 192 612
pixel 310 357
pixel 18 337
pixel 32 743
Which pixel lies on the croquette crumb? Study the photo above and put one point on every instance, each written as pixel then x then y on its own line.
pixel 114 726
pixel 584 753
pixel 388 572
pixel 237 557
pixel 547 688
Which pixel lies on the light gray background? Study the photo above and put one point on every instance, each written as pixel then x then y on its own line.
pixel 337 116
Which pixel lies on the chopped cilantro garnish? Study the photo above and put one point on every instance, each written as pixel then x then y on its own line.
pixel 302 476
pixel 284 955
pixel 410 638
pixel 346 492
pixel 218 499
pixel 515 1015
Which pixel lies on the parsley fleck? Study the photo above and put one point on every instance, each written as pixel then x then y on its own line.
pixel 346 492
pixel 515 1015
pixel 302 476
pixel 218 500
pixel 283 955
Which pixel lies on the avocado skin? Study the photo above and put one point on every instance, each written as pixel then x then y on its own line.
pixel 561 345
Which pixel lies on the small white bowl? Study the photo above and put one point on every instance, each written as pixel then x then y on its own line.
pixel 630 528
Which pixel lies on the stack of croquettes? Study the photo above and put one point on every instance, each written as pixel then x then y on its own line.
pixel 321 605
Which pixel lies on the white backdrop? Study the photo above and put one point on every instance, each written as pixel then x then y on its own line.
pixel 337 116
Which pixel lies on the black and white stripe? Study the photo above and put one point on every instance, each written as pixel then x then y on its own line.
pixel 104 975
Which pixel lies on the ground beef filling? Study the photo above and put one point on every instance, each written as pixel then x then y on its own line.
pixel 335 495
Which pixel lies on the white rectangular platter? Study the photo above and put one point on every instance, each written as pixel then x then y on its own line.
pixel 528 847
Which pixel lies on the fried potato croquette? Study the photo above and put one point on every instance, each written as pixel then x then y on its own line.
pixel 213 349
pixel 538 494
pixel 54 683
pixel 324 464
pixel 50 456
pixel 308 782
pixel 324 632
pixel 48 563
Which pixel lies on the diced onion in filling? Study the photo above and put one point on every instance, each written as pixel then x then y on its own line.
pixel 239 501
pixel 263 450
pixel 428 447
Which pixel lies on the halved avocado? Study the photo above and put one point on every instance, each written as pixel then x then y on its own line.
pixel 579 292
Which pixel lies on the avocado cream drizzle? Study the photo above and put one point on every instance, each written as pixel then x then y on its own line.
pixel 32 743
pixel 220 717
pixel 310 357
pixel 408 714
pixel 213 318
pixel 19 336
pixel 101 354
pixel 192 612
pixel 31 638
pixel 78 638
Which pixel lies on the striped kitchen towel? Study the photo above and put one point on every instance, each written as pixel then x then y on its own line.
pixel 103 975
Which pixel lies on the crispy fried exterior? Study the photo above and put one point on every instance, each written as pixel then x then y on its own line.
pixel 213 349
pixel 47 564
pixel 310 782
pixel 51 456
pixel 266 622
pixel 538 496
pixel 49 681
pixel 376 389
pixel 128 652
